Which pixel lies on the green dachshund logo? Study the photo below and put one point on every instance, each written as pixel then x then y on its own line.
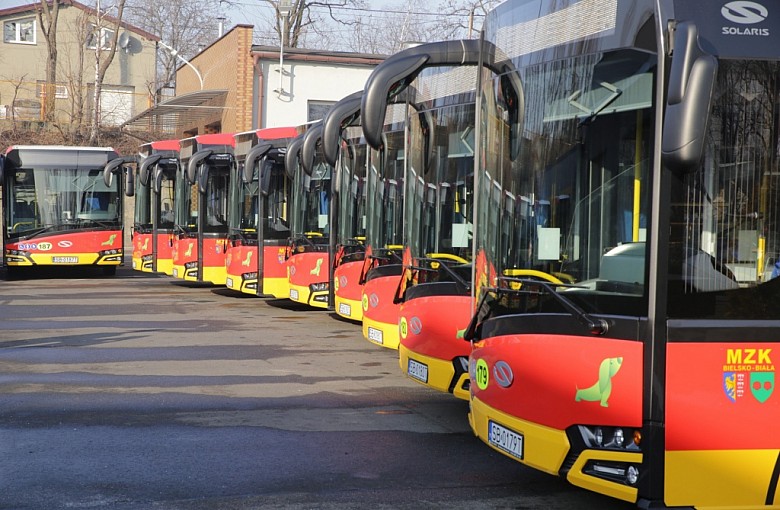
pixel 316 270
pixel 110 241
pixel 602 389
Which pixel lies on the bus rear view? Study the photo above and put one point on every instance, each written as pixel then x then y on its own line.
pixel 57 209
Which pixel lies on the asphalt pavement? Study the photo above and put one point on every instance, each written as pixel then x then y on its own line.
pixel 142 392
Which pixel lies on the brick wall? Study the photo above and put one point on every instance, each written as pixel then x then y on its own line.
pixel 226 64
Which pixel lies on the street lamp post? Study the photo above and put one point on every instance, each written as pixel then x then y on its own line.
pixel 175 54
pixel 284 7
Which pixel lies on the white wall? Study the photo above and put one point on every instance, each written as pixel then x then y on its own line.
pixel 302 82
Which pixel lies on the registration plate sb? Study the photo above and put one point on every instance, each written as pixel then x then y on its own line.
pixel 65 260
pixel 345 310
pixel 417 370
pixel 229 283
pixel 505 439
pixel 294 294
pixel 375 335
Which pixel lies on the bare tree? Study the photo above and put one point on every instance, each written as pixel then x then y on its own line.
pixel 181 24
pixel 351 25
pixel 48 16
pixel 74 69
pixel 105 41
pixel 18 83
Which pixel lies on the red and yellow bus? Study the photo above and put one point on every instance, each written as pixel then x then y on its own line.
pixel 260 183
pixel 201 208
pixel 308 261
pixel 155 178
pixel 58 210
pixel 434 291
pixel 626 235
pixel 345 150
pixel 382 266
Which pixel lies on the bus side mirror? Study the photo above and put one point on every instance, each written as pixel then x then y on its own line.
pixel 344 113
pixel 309 148
pixel 195 161
pixel 429 138
pixel 203 179
pixel 129 182
pixel 158 175
pixel 291 158
pixel 146 168
pixel 257 152
pixel 393 75
pixel 265 177
pixel 116 166
pixel 691 86
pixel 2 168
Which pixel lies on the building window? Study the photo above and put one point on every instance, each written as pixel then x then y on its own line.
pixel 105 38
pixel 318 109
pixel 61 91
pixel 20 31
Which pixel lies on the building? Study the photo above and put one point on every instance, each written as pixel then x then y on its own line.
pixel 126 86
pixel 233 86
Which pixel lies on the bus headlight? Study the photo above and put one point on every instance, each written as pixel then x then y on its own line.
pixel 318 287
pixel 610 438
pixel 632 475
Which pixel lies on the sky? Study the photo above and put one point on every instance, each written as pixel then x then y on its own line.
pixel 256 12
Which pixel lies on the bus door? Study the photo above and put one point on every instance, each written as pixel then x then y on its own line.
pixel 718 446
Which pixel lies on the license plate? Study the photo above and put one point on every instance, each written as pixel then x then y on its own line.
pixel 375 335
pixel 65 260
pixel 294 294
pixel 175 273
pixel 506 440
pixel 229 283
pixel 345 309
pixel 417 370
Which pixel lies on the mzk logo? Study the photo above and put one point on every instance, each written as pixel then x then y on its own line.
pixel 748 368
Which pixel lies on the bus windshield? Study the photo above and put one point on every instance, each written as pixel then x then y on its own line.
pixel 61 198
pixel 385 185
pixel 313 199
pixel 567 200
pixel 244 216
pixel 352 168
pixel 439 187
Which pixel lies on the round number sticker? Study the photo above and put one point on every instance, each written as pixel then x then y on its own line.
pixel 481 374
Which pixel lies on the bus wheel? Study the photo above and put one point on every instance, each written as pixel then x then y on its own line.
pixel 109 270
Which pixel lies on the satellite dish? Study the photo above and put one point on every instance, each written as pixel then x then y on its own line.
pixel 124 40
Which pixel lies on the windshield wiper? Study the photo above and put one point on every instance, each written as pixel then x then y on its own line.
pixel 485 311
pixel 594 325
pixel 38 232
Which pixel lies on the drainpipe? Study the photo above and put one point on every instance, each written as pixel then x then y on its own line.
pixel 257 115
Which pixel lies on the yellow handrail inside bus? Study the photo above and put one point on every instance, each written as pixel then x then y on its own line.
pixel 538 274
pixel 17 225
pixel 447 256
